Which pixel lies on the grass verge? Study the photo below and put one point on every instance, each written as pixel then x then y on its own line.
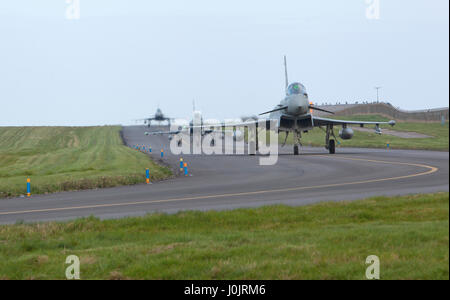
pixel 409 234
pixel 439 139
pixel 69 158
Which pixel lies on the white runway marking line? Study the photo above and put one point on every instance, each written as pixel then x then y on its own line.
pixel 431 170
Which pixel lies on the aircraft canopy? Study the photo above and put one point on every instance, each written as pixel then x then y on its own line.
pixel 296 89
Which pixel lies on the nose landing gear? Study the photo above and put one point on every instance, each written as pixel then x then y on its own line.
pixel 297 143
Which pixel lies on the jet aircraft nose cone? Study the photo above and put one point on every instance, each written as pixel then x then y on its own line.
pixel 296 105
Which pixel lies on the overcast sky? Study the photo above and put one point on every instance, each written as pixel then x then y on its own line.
pixel 123 58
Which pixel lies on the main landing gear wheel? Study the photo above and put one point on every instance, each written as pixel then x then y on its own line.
pixel 332 146
pixel 296 150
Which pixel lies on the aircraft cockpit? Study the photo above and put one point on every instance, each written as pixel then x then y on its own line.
pixel 296 89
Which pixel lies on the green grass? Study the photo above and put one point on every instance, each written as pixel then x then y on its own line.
pixel 439 135
pixel 409 234
pixel 69 158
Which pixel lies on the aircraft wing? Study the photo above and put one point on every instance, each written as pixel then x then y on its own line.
pixel 210 128
pixel 144 120
pixel 162 132
pixel 237 124
pixel 318 121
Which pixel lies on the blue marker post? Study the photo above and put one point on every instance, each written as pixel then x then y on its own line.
pixel 28 187
pixel 150 149
pixel 162 153
pixel 181 164
pixel 147 176
pixel 185 169
pixel 388 145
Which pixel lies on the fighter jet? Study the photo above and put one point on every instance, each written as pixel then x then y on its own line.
pixel 294 114
pixel 159 117
pixel 205 128
pixel 197 119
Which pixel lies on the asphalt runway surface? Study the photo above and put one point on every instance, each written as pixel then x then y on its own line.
pixel 221 182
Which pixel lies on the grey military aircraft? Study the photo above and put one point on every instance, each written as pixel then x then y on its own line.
pixel 295 114
pixel 159 117
pixel 205 129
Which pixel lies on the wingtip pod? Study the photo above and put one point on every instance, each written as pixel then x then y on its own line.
pixel 392 122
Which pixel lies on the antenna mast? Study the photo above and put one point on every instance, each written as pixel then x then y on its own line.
pixel 286 72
